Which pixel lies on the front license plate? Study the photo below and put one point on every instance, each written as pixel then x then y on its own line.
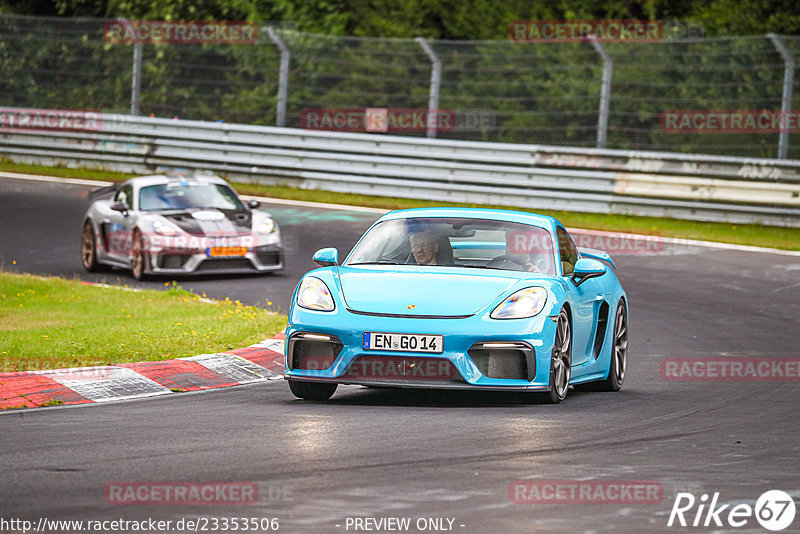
pixel 402 342
pixel 214 252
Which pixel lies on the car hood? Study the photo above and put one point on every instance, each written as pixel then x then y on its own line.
pixel 437 291
pixel 211 222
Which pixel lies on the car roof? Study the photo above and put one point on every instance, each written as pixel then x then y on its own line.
pixel 189 178
pixel 534 219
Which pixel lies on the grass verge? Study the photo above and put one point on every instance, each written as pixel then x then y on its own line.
pixel 741 234
pixel 50 323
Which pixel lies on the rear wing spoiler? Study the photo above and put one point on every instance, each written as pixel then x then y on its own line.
pixel 113 188
pixel 597 254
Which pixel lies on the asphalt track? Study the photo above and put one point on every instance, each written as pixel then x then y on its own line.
pixel 418 455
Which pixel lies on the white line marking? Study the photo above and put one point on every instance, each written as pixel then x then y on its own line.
pixel 114 383
pixel 53 179
pixel 322 205
pixel 275 345
pixel 689 242
pixel 232 367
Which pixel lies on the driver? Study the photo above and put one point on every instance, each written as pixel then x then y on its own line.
pixel 424 246
pixel 525 259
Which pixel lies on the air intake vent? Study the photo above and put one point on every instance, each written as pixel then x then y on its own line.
pixel 172 261
pixel 504 360
pixel 602 325
pixel 313 352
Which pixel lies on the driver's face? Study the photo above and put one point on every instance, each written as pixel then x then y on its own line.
pixel 424 249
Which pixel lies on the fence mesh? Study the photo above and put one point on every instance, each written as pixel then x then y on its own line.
pixel 502 91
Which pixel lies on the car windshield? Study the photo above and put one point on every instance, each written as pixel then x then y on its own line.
pixel 181 196
pixel 458 242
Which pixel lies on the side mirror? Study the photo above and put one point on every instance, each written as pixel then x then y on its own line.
pixel 586 268
pixel 254 204
pixel 120 207
pixel 326 257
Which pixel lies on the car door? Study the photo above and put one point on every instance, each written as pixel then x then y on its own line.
pixel 117 226
pixel 585 298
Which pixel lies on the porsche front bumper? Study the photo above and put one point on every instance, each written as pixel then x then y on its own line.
pixel 478 352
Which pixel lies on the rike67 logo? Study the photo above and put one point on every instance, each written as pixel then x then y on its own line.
pixel 774 510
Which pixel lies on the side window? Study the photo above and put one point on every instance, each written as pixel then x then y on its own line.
pixel 125 195
pixel 567 251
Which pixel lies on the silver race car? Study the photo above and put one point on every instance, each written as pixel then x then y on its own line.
pixel 178 224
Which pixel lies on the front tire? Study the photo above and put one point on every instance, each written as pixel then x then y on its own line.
pixel 619 352
pixel 619 355
pixel 561 361
pixel 89 248
pixel 139 258
pixel 312 390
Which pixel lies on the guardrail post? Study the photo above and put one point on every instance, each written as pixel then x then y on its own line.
pixel 136 78
pixel 283 76
pixel 605 94
pixel 786 99
pixel 436 75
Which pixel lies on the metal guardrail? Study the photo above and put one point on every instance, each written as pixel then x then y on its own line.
pixel 710 188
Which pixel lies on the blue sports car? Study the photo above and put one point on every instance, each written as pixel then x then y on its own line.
pixel 459 298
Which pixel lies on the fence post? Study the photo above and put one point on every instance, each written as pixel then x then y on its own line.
pixel 283 76
pixel 786 99
pixel 605 94
pixel 436 75
pixel 136 81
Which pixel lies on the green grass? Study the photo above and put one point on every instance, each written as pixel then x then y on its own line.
pixel 742 234
pixel 64 172
pixel 49 323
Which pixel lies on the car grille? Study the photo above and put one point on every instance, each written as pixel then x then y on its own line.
pixel 224 265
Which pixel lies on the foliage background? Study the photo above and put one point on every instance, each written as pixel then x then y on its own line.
pixel 361 53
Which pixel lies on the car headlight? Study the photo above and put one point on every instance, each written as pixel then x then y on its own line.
pixel 314 295
pixel 266 227
pixel 524 303
pixel 165 229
